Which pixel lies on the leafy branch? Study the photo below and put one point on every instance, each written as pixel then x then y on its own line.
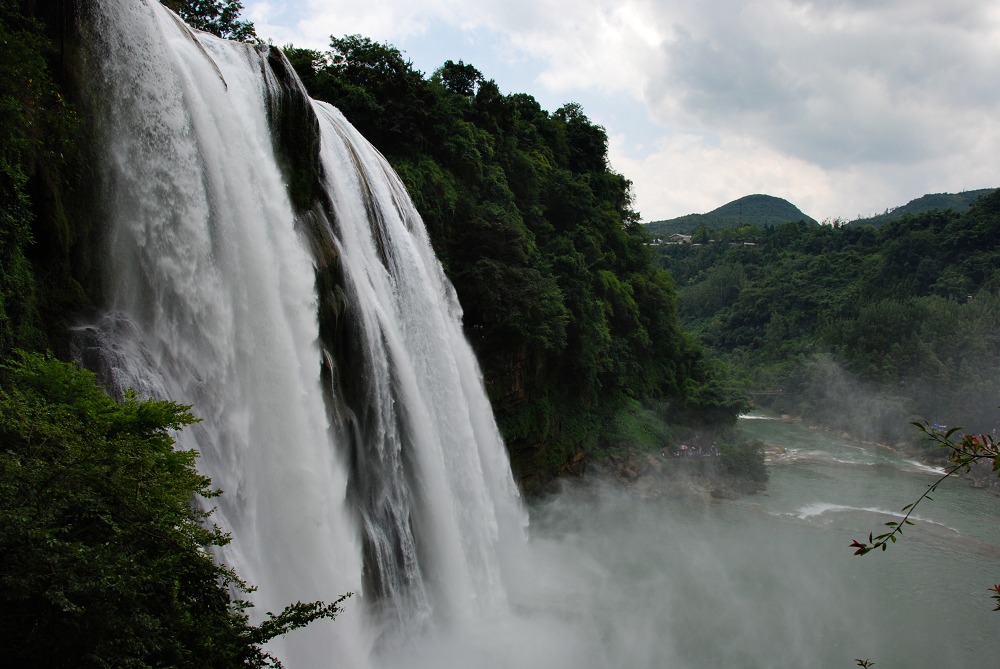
pixel 963 453
pixel 294 616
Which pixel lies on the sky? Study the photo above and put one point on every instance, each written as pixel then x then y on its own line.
pixel 845 108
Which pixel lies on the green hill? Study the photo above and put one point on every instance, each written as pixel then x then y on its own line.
pixel 756 210
pixel 957 202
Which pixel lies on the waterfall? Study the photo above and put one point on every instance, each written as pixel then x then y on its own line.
pixel 311 328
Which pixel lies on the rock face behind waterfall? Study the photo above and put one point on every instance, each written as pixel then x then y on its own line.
pixel 257 258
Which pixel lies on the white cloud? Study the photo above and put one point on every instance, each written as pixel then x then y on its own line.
pixel 835 83
pixel 310 23
pixel 600 45
pixel 843 107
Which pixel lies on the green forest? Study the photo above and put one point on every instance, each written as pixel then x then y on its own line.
pixel 860 327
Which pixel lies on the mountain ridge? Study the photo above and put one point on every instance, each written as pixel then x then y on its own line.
pixel 762 210
pixel 758 210
pixel 958 202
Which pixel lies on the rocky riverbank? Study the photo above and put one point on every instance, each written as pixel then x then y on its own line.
pixel 980 475
pixel 661 474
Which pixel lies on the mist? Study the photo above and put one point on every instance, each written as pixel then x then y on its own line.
pixel 609 579
pixel 830 395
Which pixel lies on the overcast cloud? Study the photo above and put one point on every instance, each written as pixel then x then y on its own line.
pixel 843 107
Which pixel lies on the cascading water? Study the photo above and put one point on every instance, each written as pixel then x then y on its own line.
pixel 344 414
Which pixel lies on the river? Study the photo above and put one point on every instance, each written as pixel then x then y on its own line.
pixel 770 580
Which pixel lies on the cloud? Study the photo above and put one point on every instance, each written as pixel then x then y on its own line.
pixel 845 107
pixel 835 83
pixel 691 173
pixel 599 45
pixel 310 23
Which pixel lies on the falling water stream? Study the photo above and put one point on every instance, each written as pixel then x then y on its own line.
pixel 345 420
pixel 357 454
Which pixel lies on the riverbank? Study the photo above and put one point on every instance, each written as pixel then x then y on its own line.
pixel 920 448
pixel 661 474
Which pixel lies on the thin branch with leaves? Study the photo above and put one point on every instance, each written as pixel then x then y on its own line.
pixel 963 453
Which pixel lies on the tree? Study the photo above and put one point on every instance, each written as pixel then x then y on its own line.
pixel 104 561
pixel 377 88
pixel 701 235
pixel 460 78
pixel 588 142
pixel 219 17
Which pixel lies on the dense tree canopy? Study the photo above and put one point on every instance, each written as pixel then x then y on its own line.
pixel 219 17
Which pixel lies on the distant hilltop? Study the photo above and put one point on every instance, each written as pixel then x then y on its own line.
pixel 757 210
pixel 957 202
pixel 763 210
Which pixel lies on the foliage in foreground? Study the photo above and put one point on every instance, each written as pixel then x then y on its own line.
pixel 962 453
pixel 104 561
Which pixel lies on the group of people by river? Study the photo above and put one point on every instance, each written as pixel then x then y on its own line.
pixel 696 451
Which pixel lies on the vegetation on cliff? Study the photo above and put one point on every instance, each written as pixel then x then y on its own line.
pixel 219 17
pixel 37 127
pixel 562 301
